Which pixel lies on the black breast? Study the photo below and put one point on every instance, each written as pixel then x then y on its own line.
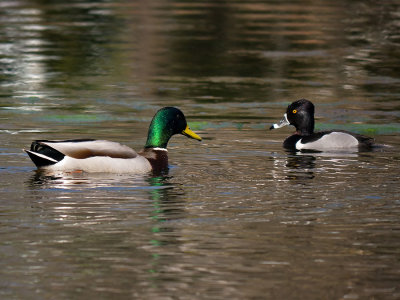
pixel 290 142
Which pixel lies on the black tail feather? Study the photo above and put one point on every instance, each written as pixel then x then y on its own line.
pixel 43 155
pixel 40 161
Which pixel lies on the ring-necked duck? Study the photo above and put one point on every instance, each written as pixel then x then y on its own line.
pixel 300 114
pixel 105 156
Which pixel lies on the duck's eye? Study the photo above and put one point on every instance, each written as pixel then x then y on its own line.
pixel 294 111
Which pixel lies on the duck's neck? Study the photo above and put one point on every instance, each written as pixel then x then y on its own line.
pixel 158 135
pixel 304 131
pixel 307 128
pixel 157 157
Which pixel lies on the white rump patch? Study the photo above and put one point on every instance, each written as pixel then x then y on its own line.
pixel 330 141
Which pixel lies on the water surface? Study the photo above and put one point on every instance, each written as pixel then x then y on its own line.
pixel 236 216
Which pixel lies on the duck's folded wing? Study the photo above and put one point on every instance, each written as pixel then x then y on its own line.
pixel 81 149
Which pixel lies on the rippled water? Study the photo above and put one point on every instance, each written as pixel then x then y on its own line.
pixel 236 216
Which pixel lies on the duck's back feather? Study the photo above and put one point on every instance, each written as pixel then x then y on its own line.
pixel 81 149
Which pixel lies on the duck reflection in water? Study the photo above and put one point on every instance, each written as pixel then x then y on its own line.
pixel 147 206
pixel 68 180
pixel 300 166
pixel 168 206
pixel 166 198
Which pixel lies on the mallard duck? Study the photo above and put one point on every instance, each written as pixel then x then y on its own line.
pixel 90 155
pixel 300 114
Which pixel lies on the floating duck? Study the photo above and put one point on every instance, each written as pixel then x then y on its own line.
pixel 89 155
pixel 300 114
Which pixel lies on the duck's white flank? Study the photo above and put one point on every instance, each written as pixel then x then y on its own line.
pixel 333 140
pixel 137 165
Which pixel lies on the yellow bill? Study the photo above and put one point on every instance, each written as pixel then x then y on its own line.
pixel 189 133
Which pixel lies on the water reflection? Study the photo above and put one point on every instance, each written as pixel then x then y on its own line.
pixel 72 180
pixel 114 209
pixel 294 167
pixel 244 216
pixel 168 208
pixel 165 198
pixel 267 48
pixel 82 199
pixel 300 167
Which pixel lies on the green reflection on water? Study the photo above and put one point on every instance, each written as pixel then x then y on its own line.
pixel 368 129
pixel 159 196
pixel 76 118
pixel 207 125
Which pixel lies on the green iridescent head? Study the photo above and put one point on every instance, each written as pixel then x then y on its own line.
pixel 167 122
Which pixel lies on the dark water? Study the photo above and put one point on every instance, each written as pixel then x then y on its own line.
pixel 236 216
